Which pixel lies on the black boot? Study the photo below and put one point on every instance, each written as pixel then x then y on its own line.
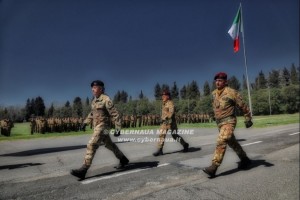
pixel 159 152
pixel 245 163
pixel 80 173
pixel 123 162
pixel 211 170
pixel 186 147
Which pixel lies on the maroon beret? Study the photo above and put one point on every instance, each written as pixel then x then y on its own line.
pixel 221 75
pixel 97 83
pixel 166 92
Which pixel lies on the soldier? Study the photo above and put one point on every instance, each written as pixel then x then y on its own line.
pixel 102 111
pixel 6 126
pixel 225 100
pixel 168 124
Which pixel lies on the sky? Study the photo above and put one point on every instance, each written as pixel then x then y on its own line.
pixel 56 48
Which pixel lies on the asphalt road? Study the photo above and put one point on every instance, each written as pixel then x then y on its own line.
pixel 39 169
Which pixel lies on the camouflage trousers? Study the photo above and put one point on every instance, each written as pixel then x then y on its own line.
pixel 226 136
pixel 164 128
pixel 100 134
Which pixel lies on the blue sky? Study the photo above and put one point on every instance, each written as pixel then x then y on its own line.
pixel 55 48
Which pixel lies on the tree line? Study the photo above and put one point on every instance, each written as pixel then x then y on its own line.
pixel 274 93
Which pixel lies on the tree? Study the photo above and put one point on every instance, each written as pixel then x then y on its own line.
pixel 86 108
pixel 206 89
pixel 285 77
pixel 141 95
pixel 291 98
pixel 51 110
pixel 123 96
pixel 157 91
pixel 174 91
pixel 39 106
pixel 29 109
pixel 261 82
pixel 77 107
pixel 193 91
pixel 234 83
pixel 274 79
pixel 165 87
pixel 294 75
pixel 183 92
pixel 117 97
pixel 66 111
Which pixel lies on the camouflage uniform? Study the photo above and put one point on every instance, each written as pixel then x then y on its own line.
pixel 102 112
pixel 224 104
pixel 169 124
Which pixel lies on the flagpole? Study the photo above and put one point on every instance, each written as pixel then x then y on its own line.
pixel 245 58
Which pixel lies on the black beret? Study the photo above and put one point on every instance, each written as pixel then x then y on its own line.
pixel 221 75
pixel 97 83
pixel 165 92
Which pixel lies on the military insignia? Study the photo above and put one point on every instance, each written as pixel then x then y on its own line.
pixel 109 104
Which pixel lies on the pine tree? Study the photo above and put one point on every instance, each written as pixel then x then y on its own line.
pixel 234 83
pixel 77 107
pixel 206 89
pixel 51 111
pixel 141 95
pixel 261 81
pixel 183 92
pixel 123 96
pixel 294 75
pixel 174 91
pixel 274 79
pixel 157 91
pixel 39 106
pixel 286 77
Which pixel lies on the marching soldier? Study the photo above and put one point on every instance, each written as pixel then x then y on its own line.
pixel 102 112
pixel 225 99
pixel 168 124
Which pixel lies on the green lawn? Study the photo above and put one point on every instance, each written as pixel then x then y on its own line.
pixel 22 130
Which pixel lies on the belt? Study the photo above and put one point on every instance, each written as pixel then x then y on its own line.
pixel 166 121
pixel 218 121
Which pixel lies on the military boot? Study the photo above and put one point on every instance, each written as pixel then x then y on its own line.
pixel 245 163
pixel 123 162
pixel 211 170
pixel 159 152
pixel 186 147
pixel 80 173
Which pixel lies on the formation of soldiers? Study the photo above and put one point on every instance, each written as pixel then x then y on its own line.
pixel 6 126
pixel 132 121
pixel 50 125
pixel 58 125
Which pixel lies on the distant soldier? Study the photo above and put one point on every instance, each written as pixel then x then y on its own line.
pixel 168 124
pixel 103 110
pixel 32 125
pixel 225 100
pixel 6 126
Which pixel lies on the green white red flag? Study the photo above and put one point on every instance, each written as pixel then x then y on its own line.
pixel 235 29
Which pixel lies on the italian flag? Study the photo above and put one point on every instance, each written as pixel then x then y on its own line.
pixel 235 29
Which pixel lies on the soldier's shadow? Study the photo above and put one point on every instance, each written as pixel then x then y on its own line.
pixel 23 165
pixel 129 167
pixel 255 163
pixel 44 151
pixel 191 149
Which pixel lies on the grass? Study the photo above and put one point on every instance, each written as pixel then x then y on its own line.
pixel 22 130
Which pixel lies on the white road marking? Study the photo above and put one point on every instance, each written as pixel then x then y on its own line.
pixel 120 174
pixel 294 133
pixel 251 143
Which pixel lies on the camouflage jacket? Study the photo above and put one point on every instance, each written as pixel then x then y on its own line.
pixel 225 103
pixel 168 112
pixel 103 112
